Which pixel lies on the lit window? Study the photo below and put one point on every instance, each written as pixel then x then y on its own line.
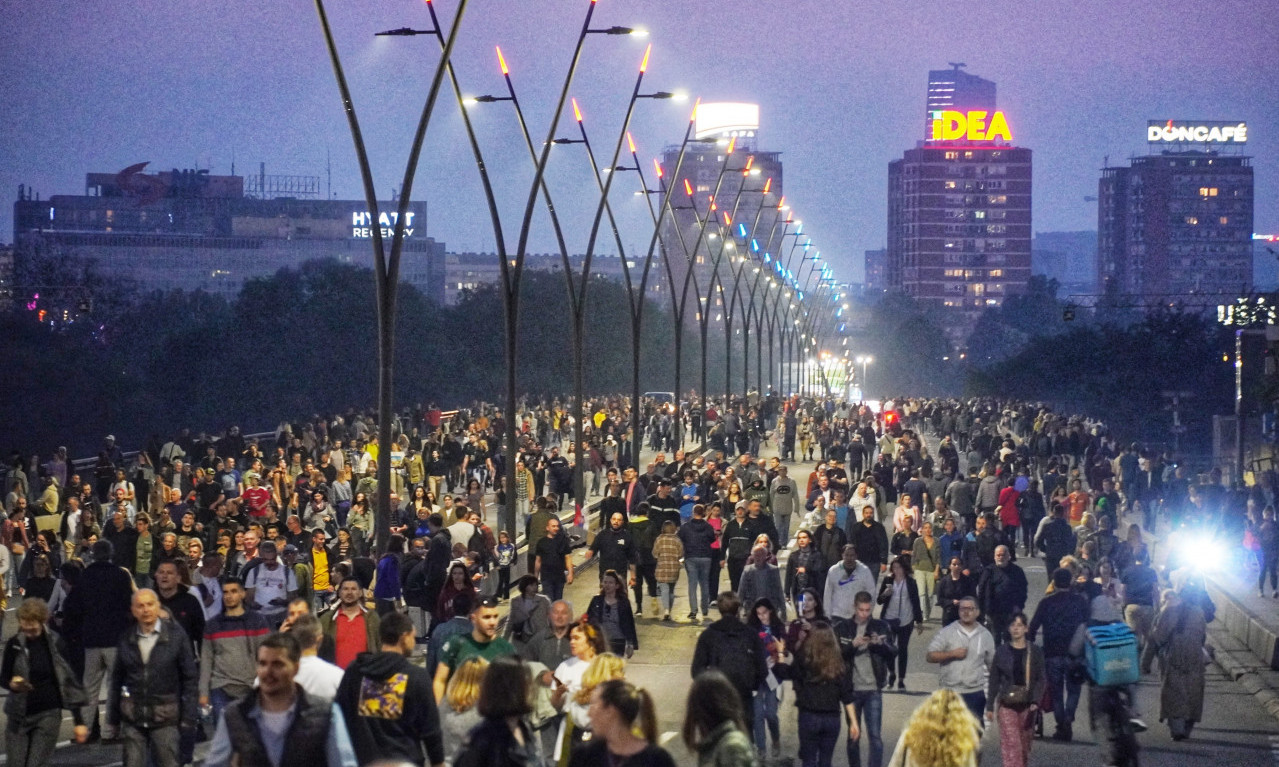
pixel 1192 220
pixel 1207 191
pixel 950 184
pixel 996 272
pixel 1224 219
pixel 952 155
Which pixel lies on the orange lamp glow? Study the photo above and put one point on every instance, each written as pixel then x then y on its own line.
pixel 501 60
pixel 644 63
pixel 631 141
pixel 658 166
pixel 577 113
pixel 731 144
pixel 693 117
pixel 768 185
pixel 688 188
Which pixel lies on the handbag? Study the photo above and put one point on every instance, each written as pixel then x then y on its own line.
pixel 1018 696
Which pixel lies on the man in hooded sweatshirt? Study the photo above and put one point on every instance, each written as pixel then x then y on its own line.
pixel 388 703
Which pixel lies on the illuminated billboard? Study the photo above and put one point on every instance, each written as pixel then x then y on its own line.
pixel 950 125
pixel 1196 132
pixel 726 118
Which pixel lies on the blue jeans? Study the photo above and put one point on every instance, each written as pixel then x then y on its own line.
pixel 1064 693
pixel 818 734
pixel 766 714
pixel 870 717
pixel 218 700
pixel 976 702
pixel 699 577
pixel 553 587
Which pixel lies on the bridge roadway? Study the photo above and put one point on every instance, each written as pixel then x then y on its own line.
pixel 1236 731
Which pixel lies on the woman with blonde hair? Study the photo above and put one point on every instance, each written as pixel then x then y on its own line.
pixel 577 723
pixel 458 713
pixel 941 733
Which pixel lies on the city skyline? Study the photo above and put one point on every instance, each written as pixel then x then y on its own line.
pixel 202 87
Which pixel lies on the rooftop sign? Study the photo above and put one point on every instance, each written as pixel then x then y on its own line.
pixel 949 125
pixel 726 118
pixel 1196 132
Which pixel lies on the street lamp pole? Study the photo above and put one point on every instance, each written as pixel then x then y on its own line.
pixel 386 268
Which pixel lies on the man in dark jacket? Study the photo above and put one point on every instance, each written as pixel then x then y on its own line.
pixel 1060 614
pixel 871 540
pixel 96 616
pixel 1002 593
pixel 731 646
pixel 867 646
pixel 439 552
pixel 615 547
pixel 414 579
pixel 698 536
pixel 1054 537
pixel 153 686
pixel 388 704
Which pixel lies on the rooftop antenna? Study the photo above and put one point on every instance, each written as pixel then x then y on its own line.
pixel 957 65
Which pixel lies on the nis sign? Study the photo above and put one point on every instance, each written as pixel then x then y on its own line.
pixel 949 125
pixel 362 224
pixel 1186 132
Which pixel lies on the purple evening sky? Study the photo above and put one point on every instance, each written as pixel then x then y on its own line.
pixel 97 87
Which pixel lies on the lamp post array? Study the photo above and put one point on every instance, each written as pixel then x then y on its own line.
pixel 750 284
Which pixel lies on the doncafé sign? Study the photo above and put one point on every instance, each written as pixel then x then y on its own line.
pixel 1173 132
pixel 949 125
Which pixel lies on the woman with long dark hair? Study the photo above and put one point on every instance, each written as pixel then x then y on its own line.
pixel 809 607
pixel 822 692
pixel 611 611
pixel 503 739
pixel 714 725
pixel 771 630
pixel 899 595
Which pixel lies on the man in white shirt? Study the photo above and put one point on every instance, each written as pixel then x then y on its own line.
pixel 315 675
pixel 843 581
pixel 270 585
pixel 207 587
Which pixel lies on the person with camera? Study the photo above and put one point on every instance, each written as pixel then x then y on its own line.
pixel 868 649
pixel 1017 683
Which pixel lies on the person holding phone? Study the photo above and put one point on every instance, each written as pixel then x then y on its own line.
pixel 40 684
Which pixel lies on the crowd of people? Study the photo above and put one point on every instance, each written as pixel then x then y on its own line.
pixel 249 606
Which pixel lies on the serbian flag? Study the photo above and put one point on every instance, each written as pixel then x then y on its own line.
pixel 578 519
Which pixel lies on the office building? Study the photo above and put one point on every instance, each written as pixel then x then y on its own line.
pixel 451 275
pixel 1070 258
pixel 189 230
pixel 1176 224
pixel 875 269
pixel 955 89
pixel 745 189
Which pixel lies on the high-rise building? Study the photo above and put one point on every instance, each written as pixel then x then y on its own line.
pixel 876 266
pixel 956 90
pixel 959 208
pixel 1070 258
pixel 745 189
pixel 1175 224
pixel 189 230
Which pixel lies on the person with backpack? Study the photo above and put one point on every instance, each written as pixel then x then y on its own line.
pixel 1054 538
pixel 1112 708
pixel 730 646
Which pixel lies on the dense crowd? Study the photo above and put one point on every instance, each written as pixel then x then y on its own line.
pixel 246 572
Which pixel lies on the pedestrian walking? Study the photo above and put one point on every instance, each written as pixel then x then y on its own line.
pixel 623 729
pixel 900 609
pixel 714 723
pixel 254 731
pixel 763 619
pixel 153 686
pixel 731 647
pixel 667 551
pixel 503 738
pixel 1060 614
pixel 96 616
pixel 867 646
pixel 964 650
pixel 941 731
pixel 387 702
pixel 1017 682
pixel 611 611
pixel 228 660
pixel 458 713
pixel 41 683
pixel 1180 632
pixel 698 538
pixel 823 691
pixel 762 580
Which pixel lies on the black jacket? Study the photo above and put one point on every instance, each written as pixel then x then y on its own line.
pixel 1002 590
pixel 697 535
pixel 158 693
pixel 872 544
pixel 492 744
pixel 187 611
pixel 732 647
pixel 912 595
pixel 97 611
pixel 1059 614
pixel 881 655
pixel 401 719
pixel 626 617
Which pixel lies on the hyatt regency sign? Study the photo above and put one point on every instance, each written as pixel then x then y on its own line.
pixel 1196 132
pixel 362 224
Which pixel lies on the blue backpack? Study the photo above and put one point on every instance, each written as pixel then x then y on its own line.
pixel 1110 654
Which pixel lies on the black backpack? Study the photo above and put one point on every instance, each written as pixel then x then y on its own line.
pixel 734 655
